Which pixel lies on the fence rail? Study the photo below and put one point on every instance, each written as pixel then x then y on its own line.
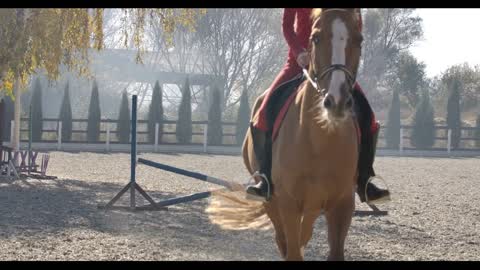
pixel 443 139
pixel 51 133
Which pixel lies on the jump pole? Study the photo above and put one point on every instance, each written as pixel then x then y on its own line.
pixel 190 174
pixel 132 185
pixel 374 212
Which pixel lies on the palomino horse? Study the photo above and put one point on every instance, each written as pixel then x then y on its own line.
pixel 315 154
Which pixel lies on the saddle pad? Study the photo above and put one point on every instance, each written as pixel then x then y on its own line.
pixel 281 114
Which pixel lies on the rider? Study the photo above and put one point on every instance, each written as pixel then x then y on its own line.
pixel 298 58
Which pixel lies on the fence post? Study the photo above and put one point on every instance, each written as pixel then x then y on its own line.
pixel 401 140
pixel 157 126
pixel 133 152
pixel 107 140
pixel 59 136
pixel 12 130
pixel 449 142
pixel 30 139
pixel 205 138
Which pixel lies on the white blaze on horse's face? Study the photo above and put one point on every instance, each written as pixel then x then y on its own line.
pixel 339 44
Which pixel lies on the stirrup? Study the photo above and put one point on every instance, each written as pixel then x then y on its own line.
pixel 257 198
pixel 379 201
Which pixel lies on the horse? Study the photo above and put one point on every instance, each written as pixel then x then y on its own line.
pixel 315 154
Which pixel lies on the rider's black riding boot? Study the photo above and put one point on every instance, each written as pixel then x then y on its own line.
pixel 262 145
pixel 372 194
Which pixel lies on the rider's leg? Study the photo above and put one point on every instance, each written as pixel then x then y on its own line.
pixel 369 130
pixel 261 135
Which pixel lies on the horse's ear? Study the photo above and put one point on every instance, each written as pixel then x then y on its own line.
pixel 358 17
pixel 358 13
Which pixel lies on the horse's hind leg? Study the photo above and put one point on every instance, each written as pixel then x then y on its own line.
pixel 339 218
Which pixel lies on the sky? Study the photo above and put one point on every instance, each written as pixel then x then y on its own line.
pixel 451 36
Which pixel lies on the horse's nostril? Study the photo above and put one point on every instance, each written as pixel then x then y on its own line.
pixel 349 102
pixel 328 103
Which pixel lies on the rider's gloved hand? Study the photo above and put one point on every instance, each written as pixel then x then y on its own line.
pixel 303 59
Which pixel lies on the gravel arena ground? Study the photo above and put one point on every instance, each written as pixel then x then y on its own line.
pixel 434 213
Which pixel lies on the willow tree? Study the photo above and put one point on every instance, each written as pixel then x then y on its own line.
pixel 33 40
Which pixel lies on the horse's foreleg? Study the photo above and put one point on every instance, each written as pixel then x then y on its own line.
pixel 273 214
pixel 307 228
pixel 339 218
pixel 291 220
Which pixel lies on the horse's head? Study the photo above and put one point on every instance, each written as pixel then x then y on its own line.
pixel 335 48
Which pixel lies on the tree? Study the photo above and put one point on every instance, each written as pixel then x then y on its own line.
pixel 392 132
pixel 240 47
pixel 184 122
pixel 46 39
pixel 243 118
pixel 408 77
pixel 2 120
pixel 453 113
pixel 215 132
pixel 387 32
pixel 36 107
pixel 94 114
pixel 477 132
pixel 43 39
pixel 423 130
pixel 123 122
pixel 66 115
pixel 155 114
pixel 470 84
pixel 7 118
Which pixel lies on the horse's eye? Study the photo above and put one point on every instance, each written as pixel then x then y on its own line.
pixel 316 39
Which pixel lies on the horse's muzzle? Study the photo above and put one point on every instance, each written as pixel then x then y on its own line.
pixel 338 109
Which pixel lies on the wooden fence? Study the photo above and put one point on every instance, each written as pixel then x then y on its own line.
pixel 51 133
pixel 443 139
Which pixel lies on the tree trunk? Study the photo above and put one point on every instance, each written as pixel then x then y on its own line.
pixel 17 109
pixel 16 87
pixel 3 74
pixel 2 119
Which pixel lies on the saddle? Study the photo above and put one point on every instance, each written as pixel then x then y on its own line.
pixel 280 101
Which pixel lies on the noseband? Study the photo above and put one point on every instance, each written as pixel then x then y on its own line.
pixel 348 74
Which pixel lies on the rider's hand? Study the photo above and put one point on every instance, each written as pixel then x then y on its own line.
pixel 302 59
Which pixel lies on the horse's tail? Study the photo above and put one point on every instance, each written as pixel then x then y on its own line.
pixel 231 211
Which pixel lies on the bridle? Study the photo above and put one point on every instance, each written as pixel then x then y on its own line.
pixel 350 76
